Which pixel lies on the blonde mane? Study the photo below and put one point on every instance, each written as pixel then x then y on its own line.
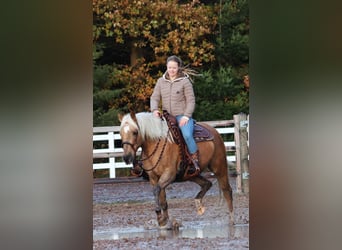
pixel 150 127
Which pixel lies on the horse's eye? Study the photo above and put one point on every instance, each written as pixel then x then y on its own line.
pixel 135 133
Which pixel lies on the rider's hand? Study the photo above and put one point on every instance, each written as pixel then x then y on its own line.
pixel 156 113
pixel 184 120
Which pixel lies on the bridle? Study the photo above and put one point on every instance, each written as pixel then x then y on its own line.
pixel 149 156
pixel 128 143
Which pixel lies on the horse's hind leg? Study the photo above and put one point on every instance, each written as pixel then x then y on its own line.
pixel 219 167
pixel 220 170
pixel 226 190
pixel 205 186
pixel 227 193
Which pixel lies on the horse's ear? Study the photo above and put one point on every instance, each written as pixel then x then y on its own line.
pixel 133 117
pixel 120 116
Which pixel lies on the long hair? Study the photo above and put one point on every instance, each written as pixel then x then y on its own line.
pixel 183 70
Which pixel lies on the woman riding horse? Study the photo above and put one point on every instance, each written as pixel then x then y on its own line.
pixel 175 91
pixel 161 160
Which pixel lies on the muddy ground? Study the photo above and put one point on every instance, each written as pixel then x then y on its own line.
pixel 124 218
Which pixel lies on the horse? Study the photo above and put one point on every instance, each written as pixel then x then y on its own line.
pixel 161 160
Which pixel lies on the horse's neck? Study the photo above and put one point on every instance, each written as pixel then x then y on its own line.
pixel 152 147
pixel 149 145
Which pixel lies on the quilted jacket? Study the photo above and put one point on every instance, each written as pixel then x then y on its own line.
pixel 177 96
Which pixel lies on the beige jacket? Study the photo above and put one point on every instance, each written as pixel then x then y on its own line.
pixel 177 96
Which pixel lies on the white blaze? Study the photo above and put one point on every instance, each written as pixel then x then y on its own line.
pixel 126 129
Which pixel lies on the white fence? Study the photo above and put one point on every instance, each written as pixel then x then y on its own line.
pixel 107 144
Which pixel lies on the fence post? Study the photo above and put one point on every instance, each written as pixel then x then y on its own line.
pixel 241 123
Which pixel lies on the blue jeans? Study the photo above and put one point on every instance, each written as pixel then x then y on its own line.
pixel 188 134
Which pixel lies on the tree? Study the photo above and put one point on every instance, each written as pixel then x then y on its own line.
pixel 135 37
pixel 225 87
pixel 160 27
pixel 232 46
pixel 151 31
pixel 225 77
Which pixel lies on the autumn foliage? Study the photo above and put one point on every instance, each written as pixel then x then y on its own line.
pixel 136 36
pixel 165 27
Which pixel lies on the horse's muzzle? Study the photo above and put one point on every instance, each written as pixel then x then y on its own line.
pixel 128 158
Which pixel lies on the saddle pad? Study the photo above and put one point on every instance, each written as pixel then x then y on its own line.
pixel 202 134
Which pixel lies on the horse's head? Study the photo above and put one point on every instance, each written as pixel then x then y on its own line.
pixel 130 136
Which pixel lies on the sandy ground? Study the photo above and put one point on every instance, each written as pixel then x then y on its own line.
pixel 124 218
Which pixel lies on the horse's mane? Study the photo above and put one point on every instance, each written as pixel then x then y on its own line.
pixel 150 127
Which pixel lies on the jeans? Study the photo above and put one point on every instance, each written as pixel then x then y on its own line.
pixel 188 134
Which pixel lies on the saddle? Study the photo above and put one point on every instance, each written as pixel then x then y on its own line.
pixel 200 134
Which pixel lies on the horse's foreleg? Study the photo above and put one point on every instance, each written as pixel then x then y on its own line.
pixel 156 193
pixel 161 205
pixel 164 206
pixel 205 186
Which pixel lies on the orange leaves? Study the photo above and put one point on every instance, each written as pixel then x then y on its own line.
pixel 138 86
pixel 165 26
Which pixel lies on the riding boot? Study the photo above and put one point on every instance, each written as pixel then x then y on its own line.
pixel 195 169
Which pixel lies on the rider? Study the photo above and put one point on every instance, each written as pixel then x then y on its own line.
pixel 175 90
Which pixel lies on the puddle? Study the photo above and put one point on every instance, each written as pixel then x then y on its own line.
pixel 203 231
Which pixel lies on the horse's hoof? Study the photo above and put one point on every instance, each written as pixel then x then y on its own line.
pixel 231 219
pixel 201 210
pixel 151 224
pixel 199 206
pixel 167 226
pixel 176 225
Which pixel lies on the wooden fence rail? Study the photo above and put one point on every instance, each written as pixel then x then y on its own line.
pixel 107 147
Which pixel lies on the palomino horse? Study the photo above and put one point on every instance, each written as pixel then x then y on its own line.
pixel 161 159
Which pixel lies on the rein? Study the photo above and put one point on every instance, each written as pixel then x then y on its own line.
pixel 154 151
